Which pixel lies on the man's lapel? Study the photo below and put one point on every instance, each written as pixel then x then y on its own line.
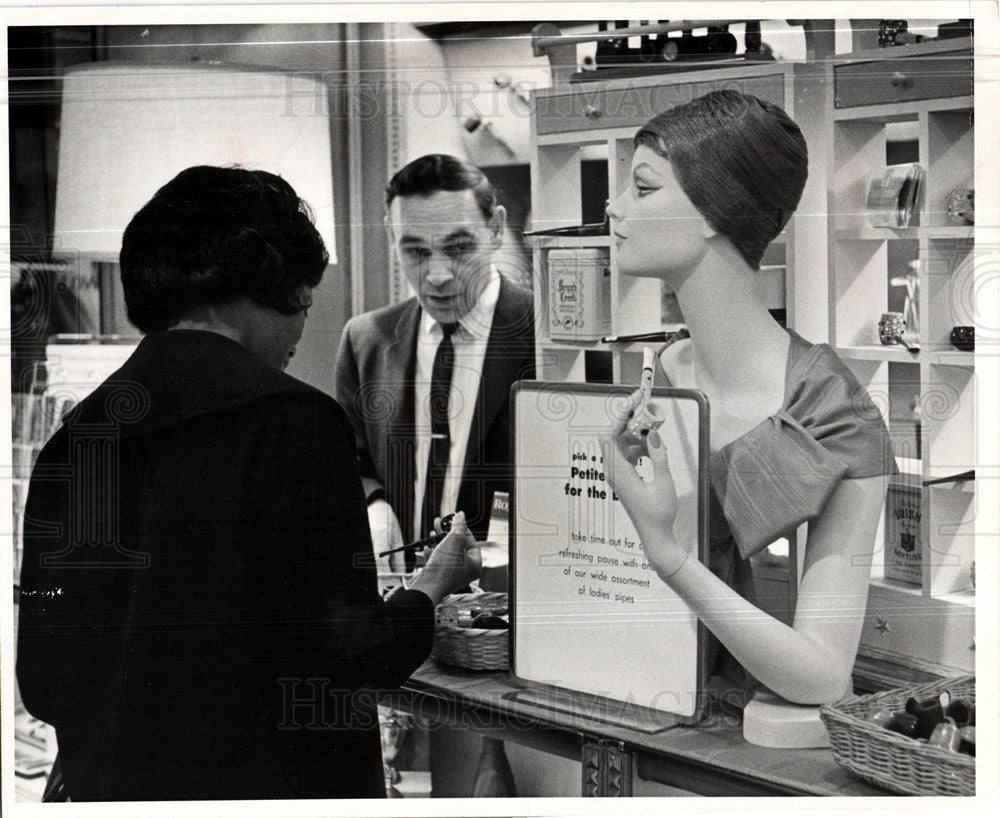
pixel 508 346
pixel 400 414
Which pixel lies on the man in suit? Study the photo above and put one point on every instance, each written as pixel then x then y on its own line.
pixel 444 224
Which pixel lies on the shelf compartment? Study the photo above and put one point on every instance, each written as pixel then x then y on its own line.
pixel 901 111
pixel 561 363
pixel 905 481
pixel 892 586
pixel 868 233
pixel 946 146
pixel 894 80
pixel 951 357
pixel 600 107
pixel 919 628
pixel 910 470
pixel 878 352
pixel 859 293
pixel 948 417
pixel 873 375
pixel 949 290
pixel 962 599
pixel 950 550
pixel 567 345
pixel 559 196
pixel 576 139
pixel 579 364
pixel 859 152
pixel 568 242
pixel 583 298
pixel 905 400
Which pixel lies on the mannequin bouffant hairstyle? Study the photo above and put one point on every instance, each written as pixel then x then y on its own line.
pixel 741 161
pixel 441 171
pixel 213 235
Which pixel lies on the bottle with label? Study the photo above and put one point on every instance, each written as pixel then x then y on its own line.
pixel 903 549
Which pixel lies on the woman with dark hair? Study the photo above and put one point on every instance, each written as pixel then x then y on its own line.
pixel 199 609
pixel 794 437
pixel 216 235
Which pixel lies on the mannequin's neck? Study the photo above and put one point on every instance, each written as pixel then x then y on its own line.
pixel 730 326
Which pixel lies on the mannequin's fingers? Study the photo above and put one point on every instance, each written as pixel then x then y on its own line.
pixel 657 450
pixel 620 472
pixel 620 409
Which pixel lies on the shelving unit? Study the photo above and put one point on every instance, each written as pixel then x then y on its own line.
pixel 918 105
pixel 855 112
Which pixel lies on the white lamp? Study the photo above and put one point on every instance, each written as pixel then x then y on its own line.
pixel 127 130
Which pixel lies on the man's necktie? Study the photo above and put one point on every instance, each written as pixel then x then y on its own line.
pixel 440 450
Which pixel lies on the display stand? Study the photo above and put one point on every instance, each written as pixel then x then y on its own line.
pixel 594 630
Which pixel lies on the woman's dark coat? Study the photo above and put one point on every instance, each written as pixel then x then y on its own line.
pixel 199 614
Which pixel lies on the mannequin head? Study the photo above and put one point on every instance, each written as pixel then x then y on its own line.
pixel 740 161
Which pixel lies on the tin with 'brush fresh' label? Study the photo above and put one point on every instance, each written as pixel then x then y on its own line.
pixel 579 293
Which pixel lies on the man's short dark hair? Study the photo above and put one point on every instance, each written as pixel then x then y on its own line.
pixel 441 171
pixel 212 235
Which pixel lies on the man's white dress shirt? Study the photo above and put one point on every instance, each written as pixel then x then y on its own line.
pixel 469 340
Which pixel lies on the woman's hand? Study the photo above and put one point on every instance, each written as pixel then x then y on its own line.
pixel 452 565
pixel 652 506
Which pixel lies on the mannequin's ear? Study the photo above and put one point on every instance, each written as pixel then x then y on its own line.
pixel 707 231
pixel 497 222
pixel 390 235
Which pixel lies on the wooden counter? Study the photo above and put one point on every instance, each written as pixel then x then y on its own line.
pixel 709 759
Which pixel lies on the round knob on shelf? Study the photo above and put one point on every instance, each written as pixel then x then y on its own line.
pixel 899 80
pixel 591 111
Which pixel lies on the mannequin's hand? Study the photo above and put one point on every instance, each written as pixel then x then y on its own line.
pixel 652 506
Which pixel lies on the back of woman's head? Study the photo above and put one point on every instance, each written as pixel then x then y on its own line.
pixel 741 161
pixel 212 235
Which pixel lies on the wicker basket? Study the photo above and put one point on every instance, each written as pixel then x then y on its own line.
pixel 890 760
pixel 472 648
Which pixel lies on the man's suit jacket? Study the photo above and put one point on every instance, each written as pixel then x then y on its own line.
pixel 376 367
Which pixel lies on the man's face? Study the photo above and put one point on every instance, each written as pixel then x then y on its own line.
pixel 444 244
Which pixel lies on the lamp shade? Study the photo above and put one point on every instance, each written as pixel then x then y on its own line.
pixel 127 130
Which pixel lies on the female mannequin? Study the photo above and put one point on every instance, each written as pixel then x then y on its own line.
pixel 794 437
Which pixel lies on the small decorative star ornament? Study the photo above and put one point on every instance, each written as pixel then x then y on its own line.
pixel 883 626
